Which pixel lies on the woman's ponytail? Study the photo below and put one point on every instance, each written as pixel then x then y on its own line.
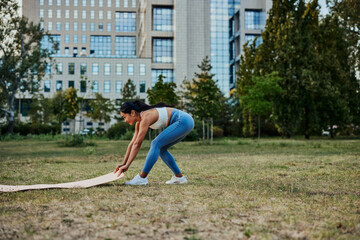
pixel 140 106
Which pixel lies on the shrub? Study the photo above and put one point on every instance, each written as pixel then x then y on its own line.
pixel 192 136
pixel 72 141
pixel 218 132
pixel 128 135
pixel 23 129
pixel 117 130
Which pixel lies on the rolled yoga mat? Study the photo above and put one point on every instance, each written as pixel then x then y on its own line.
pixel 79 184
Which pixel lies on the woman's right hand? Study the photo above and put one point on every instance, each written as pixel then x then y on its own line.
pixel 118 167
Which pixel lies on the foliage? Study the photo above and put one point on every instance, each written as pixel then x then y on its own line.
pixel 117 130
pixel 128 92
pixel 100 108
pixel 163 92
pixel 65 104
pixel 40 109
pixel 23 62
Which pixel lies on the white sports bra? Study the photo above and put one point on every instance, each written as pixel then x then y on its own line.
pixel 163 119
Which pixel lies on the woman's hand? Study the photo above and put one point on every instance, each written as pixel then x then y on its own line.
pixel 121 168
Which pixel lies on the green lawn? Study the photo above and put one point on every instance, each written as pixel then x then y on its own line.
pixel 238 188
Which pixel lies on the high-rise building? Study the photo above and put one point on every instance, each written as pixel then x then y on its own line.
pixel 103 43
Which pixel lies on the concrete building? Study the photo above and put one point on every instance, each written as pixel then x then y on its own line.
pixel 108 42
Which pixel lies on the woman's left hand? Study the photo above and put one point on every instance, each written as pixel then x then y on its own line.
pixel 122 169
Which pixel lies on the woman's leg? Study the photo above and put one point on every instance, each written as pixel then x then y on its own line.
pixel 169 159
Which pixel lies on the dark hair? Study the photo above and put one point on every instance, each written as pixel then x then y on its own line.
pixel 139 106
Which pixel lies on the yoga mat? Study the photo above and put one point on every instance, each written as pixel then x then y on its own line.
pixel 79 184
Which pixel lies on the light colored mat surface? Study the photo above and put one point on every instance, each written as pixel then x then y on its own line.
pixel 79 184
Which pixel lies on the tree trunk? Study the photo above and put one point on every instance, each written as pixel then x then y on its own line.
pixel 203 122
pixel 307 123
pixel 212 130
pixel 207 132
pixel 258 127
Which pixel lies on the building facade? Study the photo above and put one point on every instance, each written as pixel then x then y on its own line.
pixel 107 42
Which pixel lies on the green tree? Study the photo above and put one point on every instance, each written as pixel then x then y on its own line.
pixel 100 109
pixel 128 92
pixel 163 92
pixel 41 110
pixel 65 104
pixel 23 62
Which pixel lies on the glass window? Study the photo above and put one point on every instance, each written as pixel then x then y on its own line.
pixel 76 14
pixel 75 51
pixel 47 85
pixel 117 3
pixel 92 27
pixel 101 27
pixel 58 26
pixel 107 86
pixel 83 86
pixel 163 50
pixel 76 26
pixel 71 83
pixel 92 14
pixel 95 69
pixel 67 26
pixel 67 3
pixel 100 45
pixel 83 14
pixel 50 26
pixel 107 69
pixel 130 69
pixel 76 3
pixel 58 85
pixel 47 44
pixel 41 13
pixel 126 3
pixel 58 13
pixel 167 73
pixel 125 46
pixel 108 14
pixel 67 38
pixel 92 3
pixel 163 19
pixel 142 86
pixel 83 27
pixel 254 19
pixel 50 2
pixel 133 3
pixel 109 3
pixel 101 14
pixel 101 3
pixel 59 68
pixel 71 68
pixel 41 2
pixel 95 86
pixel 125 22
pixel 83 38
pixel 83 50
pixel 50 13
pixel 108 27
pixel 118 86
pixel 67 52
pixel 83 69
pixel 75 38
pixel 251 37
pixel 48 69
pixel 67 13
pixel 142 69
pixel 58 2
pixel 42 25
pixel 118 69
pixel 83 3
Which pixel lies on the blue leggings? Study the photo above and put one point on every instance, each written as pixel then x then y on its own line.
pixel 180 125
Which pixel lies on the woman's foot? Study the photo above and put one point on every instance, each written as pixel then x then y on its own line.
pixel 137 180
pixel 177 180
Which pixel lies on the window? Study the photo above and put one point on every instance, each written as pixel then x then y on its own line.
pixel 126 3
pixel 48 69
pixel 109 3
pixel 42 25
pixel 125 46
pixel 47 44
pixel 67 38
pixel 92 14
pixel 47 86
pixel 92 27
pixel 83 3
pixel 67 26
pixel 107 86
pixel 251 37
pixel 71 68
pixel 167 73
pixel 82 68
pixel 133 3
pixel 75 38
pixel 41 2
pixel 118 86
pixel 83 86
pixel 58 85
pixel 83 14
pixel 58 13
pixel 83 50
pixel 101 3
pixel 59 68
pixel 76 14
pixel 118 69
pixel 41 13
pixel 254 19
pixel 100 45
pixel 142 70
pixel 58 2
pixel 101 27
pixel 162 50
pixel 50 2
pixel 76 26
pixel 108 14
pixel 101 14
pixel 125 22
pixel 75 51
pixel 107 69
pixel 58 26
pixel 83 39
pixel 83 27
pixel 67 52
pixel 50 26
pixel 108 27
pixel 95 86
pixel 92 3
pixel 71 83
pixel 130 69
pixel 67 13
pixel 117 3
pixel 142 87
pixel 76 3
pixel 163 19
pixel 50 13
pixel 67 3
pixel 95 69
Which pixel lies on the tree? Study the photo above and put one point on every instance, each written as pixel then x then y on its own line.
pixel 100 109
pixel 260 96
pixel 204 98
pixel 163 92
pixel 65 104
pixel 128 92
pixel 23 62
pixel 41 110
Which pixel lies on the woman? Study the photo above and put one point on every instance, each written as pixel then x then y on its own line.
pixel 177 125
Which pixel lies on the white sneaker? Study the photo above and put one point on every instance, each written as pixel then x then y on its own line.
pixel 177 180
pixel 137 180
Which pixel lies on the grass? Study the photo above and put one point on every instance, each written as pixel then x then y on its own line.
pixel 239 188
